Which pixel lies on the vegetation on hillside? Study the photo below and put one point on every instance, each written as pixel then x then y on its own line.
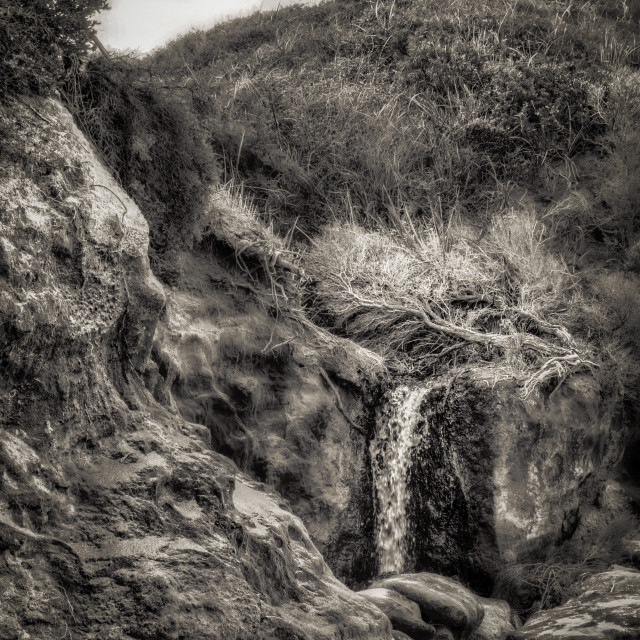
pixel 461 180
pixel 154 146
pixel 446 183
pixel 41 41
pixel 468 173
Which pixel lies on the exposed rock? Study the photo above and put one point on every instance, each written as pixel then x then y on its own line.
pixel 398 635
pixel 607 607
pixel 332 609
pixel 496 476
pixel 497 623
pixel 442 633
pixel 403 613
pixel 545 448
pixel 606 509
pixel 275 401
pixel 441 600
pixel 116 519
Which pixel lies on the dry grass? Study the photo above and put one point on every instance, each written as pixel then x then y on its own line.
pixel 548 583
pixel 405 127
pixel 232 219
pixel 425 298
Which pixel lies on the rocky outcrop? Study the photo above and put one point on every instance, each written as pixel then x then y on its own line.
pixel 403 613
pixel 606 607
pixel 117 520
pixel 545 448
pixel 285 403
pixel 498 621
pixel 442 601
pixel 496 477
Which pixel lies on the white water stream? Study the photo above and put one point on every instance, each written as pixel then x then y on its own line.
pixel 391 460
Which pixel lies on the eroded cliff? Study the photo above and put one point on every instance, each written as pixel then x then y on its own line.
pixel 117 520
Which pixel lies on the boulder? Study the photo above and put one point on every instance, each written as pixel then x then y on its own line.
pixel 403 613
pixel 607 607
pixel 441 600
pixel 497 623
pixel 398 635
pixel 442 633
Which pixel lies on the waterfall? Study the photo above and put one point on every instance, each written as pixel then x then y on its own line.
pixel 391 459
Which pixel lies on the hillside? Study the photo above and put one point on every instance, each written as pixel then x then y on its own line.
pixel 322 295
pixel 497 144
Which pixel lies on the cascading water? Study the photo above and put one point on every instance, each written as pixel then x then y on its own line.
pixel 391 459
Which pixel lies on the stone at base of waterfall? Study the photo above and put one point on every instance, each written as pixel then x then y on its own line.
pixel 607 608
pixel 442 633
pixel 403 613
pixel 441 600
pixel 498 621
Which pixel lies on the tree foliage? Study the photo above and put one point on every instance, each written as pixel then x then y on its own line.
pixel 40 39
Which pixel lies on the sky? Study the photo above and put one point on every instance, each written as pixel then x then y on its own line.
pixel 146 24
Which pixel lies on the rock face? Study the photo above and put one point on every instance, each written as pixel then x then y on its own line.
pixel 497 623
pixel 403 613
pixel 441 600
pixel 545 452
pixel 607 606
pixel 276 401
pixel 495 476
pixel 116 519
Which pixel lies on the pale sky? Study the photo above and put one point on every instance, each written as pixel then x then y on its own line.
pixel 146 24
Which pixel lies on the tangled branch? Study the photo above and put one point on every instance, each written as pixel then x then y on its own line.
pixel 419 311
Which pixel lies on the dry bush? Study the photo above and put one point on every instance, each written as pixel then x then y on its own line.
pixel 420 302
pixel 232 216
pixel 540 279
pixel 261 255
pixel 547 583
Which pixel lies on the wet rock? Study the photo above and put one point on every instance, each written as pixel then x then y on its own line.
pixel 441 600
pixel 398 635
pixel 116 518
pixel 403 613
pixel 273 402
pixel 497 623
pixel 606 607
pixel 442 633
pixel 332 609
pixel 547 448
pixel 498 477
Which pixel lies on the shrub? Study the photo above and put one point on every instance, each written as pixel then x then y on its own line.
pixel 548 107
pixel 557 574
pixel 613 322
pixel 39 40
pixel 417 300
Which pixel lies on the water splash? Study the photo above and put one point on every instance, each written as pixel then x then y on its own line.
pixel 391 459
